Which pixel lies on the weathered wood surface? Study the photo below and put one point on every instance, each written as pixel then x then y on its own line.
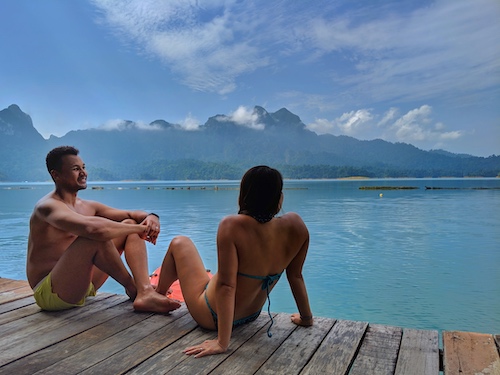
pixel 418 352
pixel 107 337
pixel 470 353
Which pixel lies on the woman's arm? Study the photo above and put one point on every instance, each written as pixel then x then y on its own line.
pixel 298 286
pixel 225 289
pixel 225 293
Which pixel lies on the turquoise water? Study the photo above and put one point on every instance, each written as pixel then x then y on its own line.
pixel 417 258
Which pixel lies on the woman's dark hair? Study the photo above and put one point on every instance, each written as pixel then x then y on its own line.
pixel 54 157
pixel 260 192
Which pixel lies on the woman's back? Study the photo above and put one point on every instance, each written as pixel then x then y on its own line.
pixel 261 249
pixel 253 249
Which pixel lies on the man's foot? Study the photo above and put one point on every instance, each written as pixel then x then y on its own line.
pixel 155 302
pixel 131 292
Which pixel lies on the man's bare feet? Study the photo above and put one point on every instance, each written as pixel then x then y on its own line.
pixel 131 292
pixel 151 301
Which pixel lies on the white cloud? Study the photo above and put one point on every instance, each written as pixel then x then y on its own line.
pixel 443 49
pixel 190 123
pixel 126 125
pixel 322 126
pixel 416 126
pixel 409 127
pixel 244 116
pixel 388 116
pixel 382 51
pixel 205 45
pixel 350 123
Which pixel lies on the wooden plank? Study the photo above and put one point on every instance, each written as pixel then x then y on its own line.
pixel 187 365
pixel 30 324
pixel 3 281
pixel 169 358
pixel 337 351
pixel 119 347
pixel 13 305
pixel 15 294
pixel 19 313
pixel 248 358
pixel 470 353
pixel 53 353
pixel 173 360
pixel 140 350
pixel 57 326
pixel 419 353
pixel 107 336
pixel 8 284
pixel 292 356
pixel 379 351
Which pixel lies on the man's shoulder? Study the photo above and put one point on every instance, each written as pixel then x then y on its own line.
pixel 45 200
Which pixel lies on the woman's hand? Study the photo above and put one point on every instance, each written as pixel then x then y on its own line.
pixel 209 347
pixel 305 321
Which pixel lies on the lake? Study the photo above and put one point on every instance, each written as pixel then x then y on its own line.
pixel 420 258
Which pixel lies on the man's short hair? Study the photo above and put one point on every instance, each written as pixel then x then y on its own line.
pixel 54 157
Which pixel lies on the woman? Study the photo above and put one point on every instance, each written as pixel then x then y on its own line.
pixel 253 249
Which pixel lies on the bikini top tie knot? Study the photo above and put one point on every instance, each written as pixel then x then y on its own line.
pixel 267 281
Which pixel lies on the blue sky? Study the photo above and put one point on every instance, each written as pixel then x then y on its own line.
pixel 421 72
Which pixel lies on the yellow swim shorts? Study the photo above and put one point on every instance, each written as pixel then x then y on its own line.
pixel 47 300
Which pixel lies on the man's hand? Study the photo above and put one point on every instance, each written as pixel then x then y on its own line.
pixel 152 230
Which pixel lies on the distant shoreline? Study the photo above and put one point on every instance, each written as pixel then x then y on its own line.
pixel 351 178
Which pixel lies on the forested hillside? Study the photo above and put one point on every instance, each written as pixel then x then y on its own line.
pixel 224 149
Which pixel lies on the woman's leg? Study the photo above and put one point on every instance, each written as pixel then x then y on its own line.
pixel 183 262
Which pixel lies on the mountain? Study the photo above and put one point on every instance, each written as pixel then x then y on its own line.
pixel 20 146
pixel 223 147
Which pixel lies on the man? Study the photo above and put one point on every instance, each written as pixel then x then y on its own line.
pixel 75 244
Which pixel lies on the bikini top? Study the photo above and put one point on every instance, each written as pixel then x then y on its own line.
pixel 267 281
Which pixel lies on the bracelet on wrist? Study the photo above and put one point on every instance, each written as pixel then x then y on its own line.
pixel 152 213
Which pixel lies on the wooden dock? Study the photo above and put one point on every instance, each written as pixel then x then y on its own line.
pixel 107 337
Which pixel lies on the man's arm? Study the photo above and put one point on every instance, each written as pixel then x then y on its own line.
pixel 150 220
pixel 118 214
pixel 60 216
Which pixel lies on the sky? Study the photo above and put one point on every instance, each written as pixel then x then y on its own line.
pixel 416 71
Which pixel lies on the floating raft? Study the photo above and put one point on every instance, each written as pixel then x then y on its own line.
pixel 461 188
pixel 388 187
pixel 107 337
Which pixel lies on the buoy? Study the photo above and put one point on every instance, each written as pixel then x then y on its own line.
pixel 381 195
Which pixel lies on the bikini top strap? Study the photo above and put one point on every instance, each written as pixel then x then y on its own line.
pixel 267 281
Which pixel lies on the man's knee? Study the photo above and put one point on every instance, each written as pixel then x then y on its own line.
pixel 129 221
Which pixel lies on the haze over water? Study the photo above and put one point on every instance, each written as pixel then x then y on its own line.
pixel 420 258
